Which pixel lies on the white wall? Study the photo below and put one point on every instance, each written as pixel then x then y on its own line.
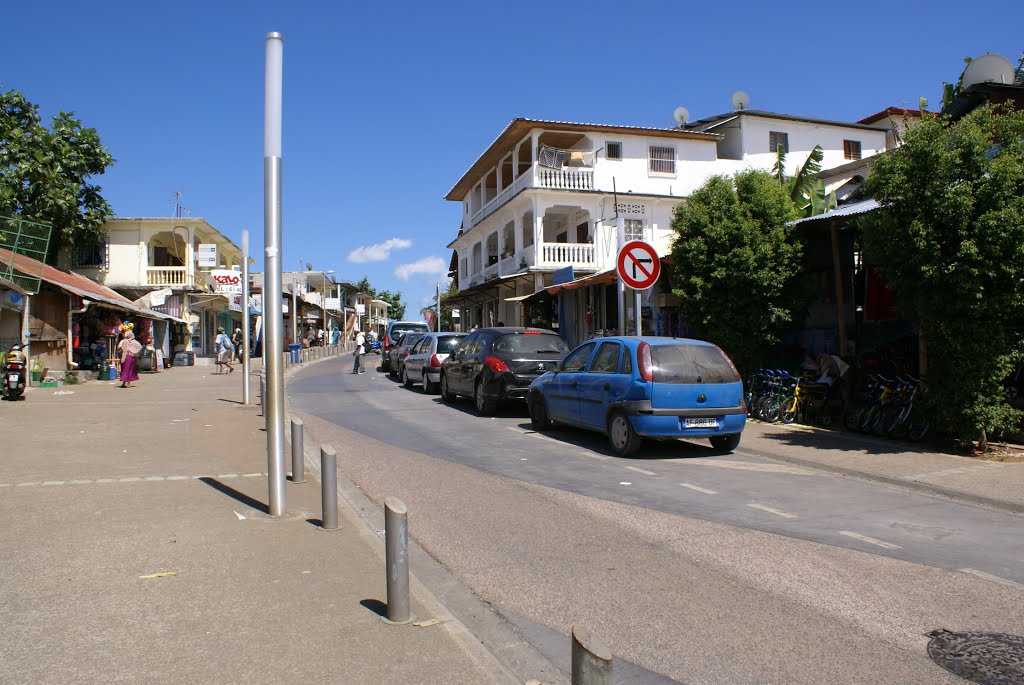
pixel 803 136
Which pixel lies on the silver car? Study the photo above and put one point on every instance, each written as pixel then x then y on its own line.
pixel 423 365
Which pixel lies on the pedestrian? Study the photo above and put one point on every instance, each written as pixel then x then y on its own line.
pixel 238 342
pixel 225 351
pixel 129 349
pixel 359 351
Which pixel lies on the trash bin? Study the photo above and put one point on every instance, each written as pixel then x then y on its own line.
pixel 295 348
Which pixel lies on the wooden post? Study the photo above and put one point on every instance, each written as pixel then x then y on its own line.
pixel 838 270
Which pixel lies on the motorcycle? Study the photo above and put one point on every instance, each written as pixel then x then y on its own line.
pixel 14 374
pixel 372 347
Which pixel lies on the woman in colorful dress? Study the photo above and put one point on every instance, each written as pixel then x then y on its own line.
pixel 129 348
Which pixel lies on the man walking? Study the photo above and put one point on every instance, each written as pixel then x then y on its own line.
pixel 225 351
pixel 357 364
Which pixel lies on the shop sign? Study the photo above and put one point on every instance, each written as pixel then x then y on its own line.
pixel 206 254
pixel 235 303
pixel 226 281
pixel 256 304
pixel 332 303
pixel 360 308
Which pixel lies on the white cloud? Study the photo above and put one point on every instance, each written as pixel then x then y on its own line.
pixel 378 252
pixel 427 266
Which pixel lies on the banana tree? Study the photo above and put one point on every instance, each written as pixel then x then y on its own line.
pixel 806 190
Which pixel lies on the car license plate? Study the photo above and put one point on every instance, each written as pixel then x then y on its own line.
pixel 702 423
pixel 13 377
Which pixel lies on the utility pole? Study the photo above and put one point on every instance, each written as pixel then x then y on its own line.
pixel 246 347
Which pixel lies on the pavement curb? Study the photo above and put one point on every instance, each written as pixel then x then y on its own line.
pixel 366 516
pixel 917 486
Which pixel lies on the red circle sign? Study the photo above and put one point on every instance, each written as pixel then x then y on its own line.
pixel 638 265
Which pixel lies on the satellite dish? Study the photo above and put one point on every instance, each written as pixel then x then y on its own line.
pixel 681 115
pixel 740 100
pixel 988 68
pixel 309 266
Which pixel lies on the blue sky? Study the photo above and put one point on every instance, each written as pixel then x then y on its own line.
pixel 387 104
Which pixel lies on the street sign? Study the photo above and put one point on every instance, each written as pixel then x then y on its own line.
pixel 638 265
pixel 206 255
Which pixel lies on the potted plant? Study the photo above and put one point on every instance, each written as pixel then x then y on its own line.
pixel 37 370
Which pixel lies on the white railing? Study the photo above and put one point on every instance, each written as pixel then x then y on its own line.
pixel 167 276
pixel 565 179
pixel 539 177
pixel 567 254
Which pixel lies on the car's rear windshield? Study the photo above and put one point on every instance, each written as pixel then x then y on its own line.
pixel 447 343
pixel 398 331
pixel 691 364
pixel 531 343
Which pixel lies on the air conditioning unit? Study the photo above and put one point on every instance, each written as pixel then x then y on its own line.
pixel 665 300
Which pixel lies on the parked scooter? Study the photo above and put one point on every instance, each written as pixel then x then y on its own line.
pixel 14 374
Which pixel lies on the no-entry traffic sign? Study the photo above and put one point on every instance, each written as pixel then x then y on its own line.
pixel 638 265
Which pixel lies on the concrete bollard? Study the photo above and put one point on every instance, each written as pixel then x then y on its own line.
pixel 591 659
pixel 298 453
pixel 329 487
pixel 396 552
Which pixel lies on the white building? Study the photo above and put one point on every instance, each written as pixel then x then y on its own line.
pixel 165 263
pixel 549 195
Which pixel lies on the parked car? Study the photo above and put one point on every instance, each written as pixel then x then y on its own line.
pixel 393 334
pixel 496 364
pixel 396 356
pixel 423 365
pixel 635 388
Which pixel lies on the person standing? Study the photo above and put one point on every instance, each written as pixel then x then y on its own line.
pixel 238 342
pixel 129 349
pixel 225 351
pixel 357 364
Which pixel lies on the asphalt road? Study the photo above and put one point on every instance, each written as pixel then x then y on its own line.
pixel 700 567
pixel 678 477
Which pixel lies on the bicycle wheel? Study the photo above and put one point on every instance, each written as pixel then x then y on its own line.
pixel 899 426
pixel 918 427
pixel 788 412
pixel 868 418
pixel 882 422
pixel 772 411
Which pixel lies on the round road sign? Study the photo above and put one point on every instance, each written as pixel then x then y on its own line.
pixel 638 265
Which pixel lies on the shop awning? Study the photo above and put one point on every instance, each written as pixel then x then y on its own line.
pixel 852 209
pixel 488 290
pixel 602 278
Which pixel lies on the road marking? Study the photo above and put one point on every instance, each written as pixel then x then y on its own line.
pixel 153 478
pixel 698 488
pixel 952 472
pixel 870 541
pixel 223 475
pixel 176 478
pixel 639 470
pixel 28 484
pixel 783 514
pixel 594 456
pixel 625 482
pixel 54 482
pixel 746 466
pixel 989 576
pixel 533 434
pixel 251 475
pixel 128 479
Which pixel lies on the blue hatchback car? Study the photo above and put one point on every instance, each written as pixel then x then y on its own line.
pixel 633 388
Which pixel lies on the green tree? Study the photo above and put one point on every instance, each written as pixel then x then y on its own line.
pixel 949 234
pixel 397 308
pixel 44 173
pixel 736 263
pixel 364 286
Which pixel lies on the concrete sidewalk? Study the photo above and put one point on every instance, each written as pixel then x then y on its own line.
pixel 990 483
pixel 102 488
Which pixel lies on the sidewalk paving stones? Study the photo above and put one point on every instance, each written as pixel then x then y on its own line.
pixel 138 549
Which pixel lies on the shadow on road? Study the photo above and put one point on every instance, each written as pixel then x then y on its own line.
pixel 838 440
pixel 376 606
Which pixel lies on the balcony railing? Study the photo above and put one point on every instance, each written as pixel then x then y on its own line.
pixel 567 254
pixel 167 276
pixel 539 177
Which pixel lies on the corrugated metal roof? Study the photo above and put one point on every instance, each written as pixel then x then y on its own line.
pixel 78 284
pixel 862 207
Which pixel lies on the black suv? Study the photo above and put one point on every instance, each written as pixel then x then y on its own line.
pixel 496 364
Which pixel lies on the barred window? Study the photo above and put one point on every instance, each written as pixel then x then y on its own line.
pixel 662 160
pixel 777 139
pixel 634 229
pixel 613 150
pixel 851 149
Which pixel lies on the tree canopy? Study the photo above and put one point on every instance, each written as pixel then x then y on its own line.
pixel 949 236
pixel 44 173
pixel 736 263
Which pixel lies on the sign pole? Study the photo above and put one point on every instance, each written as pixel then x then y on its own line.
pixel 272 241
pixel 636 312
pixel 245 351
pixel 620 235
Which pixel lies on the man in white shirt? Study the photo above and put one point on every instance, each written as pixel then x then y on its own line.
pixel 357 364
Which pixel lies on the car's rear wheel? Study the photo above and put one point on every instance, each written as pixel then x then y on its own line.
pixel 428 387
pixel 623 438
pixel 446 394
pixel 725 443
pixel 539 415
pixel 406 381
pixel 484 406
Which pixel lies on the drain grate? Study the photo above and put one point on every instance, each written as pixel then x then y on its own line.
pixel 982 658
